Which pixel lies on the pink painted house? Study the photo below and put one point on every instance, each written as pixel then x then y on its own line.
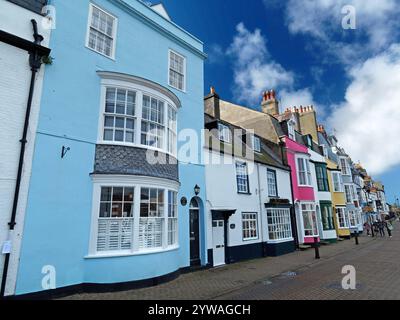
pixel 298 159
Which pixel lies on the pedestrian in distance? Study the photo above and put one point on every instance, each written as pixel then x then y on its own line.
pixel 367 227
pixel 381 226
pixel 389 228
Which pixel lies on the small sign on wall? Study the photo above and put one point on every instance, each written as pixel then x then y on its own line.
pixel 6 247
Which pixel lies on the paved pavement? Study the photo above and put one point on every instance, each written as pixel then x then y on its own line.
pixel 294 276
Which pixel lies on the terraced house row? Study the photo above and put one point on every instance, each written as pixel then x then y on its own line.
pixel 116 171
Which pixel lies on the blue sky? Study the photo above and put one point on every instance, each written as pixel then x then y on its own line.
pixel 300 48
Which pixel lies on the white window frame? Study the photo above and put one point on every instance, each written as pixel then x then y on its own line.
pixel 114 34
pixel 141 89
pixel 340 181
pixel 239 165
pixel 353 218
pixel 224 133
pixel 349 193
pixel 345 220
pixel 184 70
pixel 291 130
pixel 346 169
pixel 312 212
pixel 251 218
pixel 137 183
pixel 269 183
pixel 307 171
pixel 279 224
pixel 256 145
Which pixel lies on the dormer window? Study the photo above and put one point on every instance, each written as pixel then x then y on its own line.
pixel 291 130
pixel 256 143
pixel 224 133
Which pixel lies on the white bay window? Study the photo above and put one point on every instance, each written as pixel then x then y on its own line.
pixel 138 113
pixel 279 224
pixel 131 216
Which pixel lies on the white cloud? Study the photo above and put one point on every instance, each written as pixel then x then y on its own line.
pixel 367 122
pixel 376 21
pixel 254 69
pixel 302 97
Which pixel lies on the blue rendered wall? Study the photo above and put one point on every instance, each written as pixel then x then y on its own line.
pixel 58 217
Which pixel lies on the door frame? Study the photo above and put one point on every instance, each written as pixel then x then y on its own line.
pixel 197 261
pixel 224 215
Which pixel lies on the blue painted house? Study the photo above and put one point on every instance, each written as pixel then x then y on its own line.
pixel 111 200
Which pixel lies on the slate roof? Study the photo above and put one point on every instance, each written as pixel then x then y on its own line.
pixel 270 152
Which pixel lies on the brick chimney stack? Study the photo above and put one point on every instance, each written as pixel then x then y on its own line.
pixel 270 104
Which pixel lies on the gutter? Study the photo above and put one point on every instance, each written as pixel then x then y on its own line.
pixel 36 53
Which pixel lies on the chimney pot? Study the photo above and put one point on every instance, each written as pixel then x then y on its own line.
pixel 212 90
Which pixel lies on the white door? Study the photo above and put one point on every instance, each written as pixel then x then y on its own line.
pixel 219 242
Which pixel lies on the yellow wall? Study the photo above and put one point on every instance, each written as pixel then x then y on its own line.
pixel 338 199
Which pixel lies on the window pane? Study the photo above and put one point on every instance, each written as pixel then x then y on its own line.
pixel 105 210
pixel 117 194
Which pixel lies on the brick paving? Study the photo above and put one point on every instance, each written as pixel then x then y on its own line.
pixel 294 276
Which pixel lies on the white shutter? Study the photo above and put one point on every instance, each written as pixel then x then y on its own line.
pixel 114 234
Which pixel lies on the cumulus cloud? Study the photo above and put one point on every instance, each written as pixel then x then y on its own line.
pixel 254 69
pixel 302 97
pixel 367 122
pixel 377 26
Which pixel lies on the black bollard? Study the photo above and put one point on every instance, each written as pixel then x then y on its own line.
pixel 356 237
pixel 316 247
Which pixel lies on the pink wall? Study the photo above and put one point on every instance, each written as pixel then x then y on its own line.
pixel 299 193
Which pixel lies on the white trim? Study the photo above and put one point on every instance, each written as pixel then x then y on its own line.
pixel 137 182
pixel 307 170
pixel 184 70
pixel 141 87
pixel 130 254
pixel 340 182
pixel 114 36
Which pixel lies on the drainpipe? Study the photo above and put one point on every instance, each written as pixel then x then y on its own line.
pixel 35 61
pixel 261 207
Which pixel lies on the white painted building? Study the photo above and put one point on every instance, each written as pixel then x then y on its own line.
pixel 15 78
pixel 249 201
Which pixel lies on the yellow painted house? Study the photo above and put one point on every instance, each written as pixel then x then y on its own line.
pixel 338 199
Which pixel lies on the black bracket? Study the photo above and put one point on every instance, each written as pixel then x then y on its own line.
pixel 64 151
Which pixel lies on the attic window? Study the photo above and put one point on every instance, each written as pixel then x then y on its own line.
pixel 224 133
pixel 291 132
pixel 256 143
